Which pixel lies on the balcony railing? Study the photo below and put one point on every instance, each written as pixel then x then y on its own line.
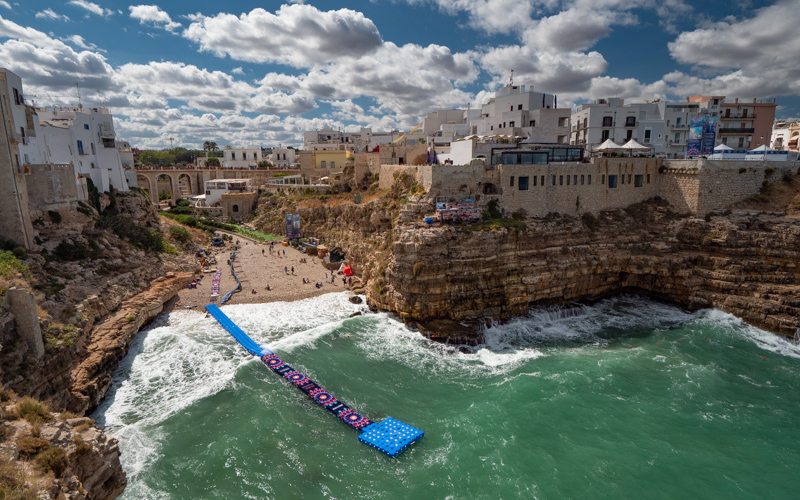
pixel 733 130
pixel 738 117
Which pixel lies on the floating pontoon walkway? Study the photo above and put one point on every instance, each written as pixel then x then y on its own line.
pixel 390 436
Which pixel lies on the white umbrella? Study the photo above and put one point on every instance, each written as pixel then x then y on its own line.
pixel 608 147
pixel 633 146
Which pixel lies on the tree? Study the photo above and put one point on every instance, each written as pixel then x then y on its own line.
pixel 212 162
pixel 264 164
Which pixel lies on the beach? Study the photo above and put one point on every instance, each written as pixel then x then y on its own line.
pixel 257 268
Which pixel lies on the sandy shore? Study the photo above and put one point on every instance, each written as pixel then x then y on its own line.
pixel 257 270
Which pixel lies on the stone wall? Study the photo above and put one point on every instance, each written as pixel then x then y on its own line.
pixel 575 188
pixel 238 206
pixel 52 187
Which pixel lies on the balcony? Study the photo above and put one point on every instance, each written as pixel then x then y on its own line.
pixel 681 125
pixel 738 117
pixel 733 130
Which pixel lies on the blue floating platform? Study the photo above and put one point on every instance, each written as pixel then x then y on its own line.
pixel 390 436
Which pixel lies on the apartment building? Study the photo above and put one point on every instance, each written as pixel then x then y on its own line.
pixel 785 136
pixel 743 123
pixel 241 157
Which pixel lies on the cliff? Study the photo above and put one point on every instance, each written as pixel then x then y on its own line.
pixel 744 263
pixel 55 455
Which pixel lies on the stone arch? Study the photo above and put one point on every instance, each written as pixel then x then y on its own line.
pixel 235 208
pixel 185 185
pixel 170 187
pixel 489 188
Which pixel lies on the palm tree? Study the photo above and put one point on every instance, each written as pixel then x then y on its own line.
pixel 212 146
pixel 206 147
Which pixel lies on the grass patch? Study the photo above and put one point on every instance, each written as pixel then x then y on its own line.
pixel 53 459
pixel 140 237
pixel 10 265
pixel 29 446
pixel 33 411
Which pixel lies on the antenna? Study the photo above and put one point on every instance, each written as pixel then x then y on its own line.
pixel 170 142
pixel 77 86
pixel 511 80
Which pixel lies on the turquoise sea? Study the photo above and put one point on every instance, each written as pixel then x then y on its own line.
pixel 627 398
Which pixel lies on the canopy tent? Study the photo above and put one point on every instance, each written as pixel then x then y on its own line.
pixel 609 147
pixel 723 147
pixel 634 147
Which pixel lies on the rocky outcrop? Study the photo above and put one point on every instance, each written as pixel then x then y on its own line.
pixel 744 263
pixel 83 463
pixel 110 340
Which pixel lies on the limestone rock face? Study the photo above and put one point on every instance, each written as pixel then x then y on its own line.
pixel 744 264
pixel 93 469
pixel 109 342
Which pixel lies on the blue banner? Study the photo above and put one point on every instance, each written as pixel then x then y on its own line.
pixel 292 222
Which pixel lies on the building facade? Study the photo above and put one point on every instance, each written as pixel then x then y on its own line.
pixel 241 157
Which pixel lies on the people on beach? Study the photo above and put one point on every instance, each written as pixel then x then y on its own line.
pixel 292 270
pixel 286 269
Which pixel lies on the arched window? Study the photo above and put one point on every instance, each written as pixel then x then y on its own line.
pixel 236 208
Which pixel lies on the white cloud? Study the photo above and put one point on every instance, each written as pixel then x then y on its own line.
pixel 5 4
pixel 299 35
pixel 78 41
pixel 237 71
pixel 51 15
pixel 91 7
pixel 154 15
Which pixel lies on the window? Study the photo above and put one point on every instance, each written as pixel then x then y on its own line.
pixel 677 137
pixel 80 148
pixel 523 183
pixel 638 180
pixel 606 121
pixel 648 178
pixel 92 145
pixel 554 180
pixel 25 158
pixel 575 179
pixel 677 122
pixel 542 181
pixel 511 108
pixel 567 180
pixel 629 135
pixel 511 184
pixel 584 122
pixel 581 179
pixel 533 123
pixel 491 127
pixel 604 135
pixel 741 142
pixel 589 179
pixel 233 155
pixel 86 126
pixel 511 124
pixel 716 102
pixel 744 113
pixel 623 179
pixel 612 181
pixel 647 133
pixel 322 164
pixel 235 208
pixel 629 178
pixel 630 121
pixel 560 180
pixel 742 126
pixel 603 179
pixel 333 164
pixel 91 165
pixel 244 155
pixel 725 141
pixel 519 106
pixel 534 180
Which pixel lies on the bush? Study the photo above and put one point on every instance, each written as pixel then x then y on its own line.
pixel 183 210
pixel 212 162
pixel 94 194
pixel 30 446
pixel 69 251
pixel 33 411
pixel 82 447
pixel 418 268
pixel 20 252
pixel 357 198
pixel 182 202
pixel 590 221
pixel 492 210
pixel 55 217
pixel 769 171
pixel 53 459
pixel 10 266
pixel 180 233
pixel 140 237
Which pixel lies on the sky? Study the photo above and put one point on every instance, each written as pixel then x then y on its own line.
pixel 250 74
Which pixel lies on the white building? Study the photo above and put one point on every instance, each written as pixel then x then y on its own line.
pixel 785 136
pixel 84 137
pixel 283 157
pixel 241 157
pixel 365 140
pixel 216 188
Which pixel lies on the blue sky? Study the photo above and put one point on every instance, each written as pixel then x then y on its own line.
pixel 260 73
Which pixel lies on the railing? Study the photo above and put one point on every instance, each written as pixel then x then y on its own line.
pixel 733 130
pixel 738 117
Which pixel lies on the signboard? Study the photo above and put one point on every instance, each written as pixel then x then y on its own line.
pixel 702 135
pixel 292 226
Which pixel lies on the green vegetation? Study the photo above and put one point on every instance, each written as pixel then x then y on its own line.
pixel 212 225
pixel 85 209
pixel 33 411
pixel 140 237
pixel 70 251
pixel 94 195
pixel 180 233
pixel 53 459
pixel 212 162
pixel 10 266
pixel 55 217
pixel 264 164
pixel 357 198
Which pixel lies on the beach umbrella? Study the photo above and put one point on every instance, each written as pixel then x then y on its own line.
pixel 428 160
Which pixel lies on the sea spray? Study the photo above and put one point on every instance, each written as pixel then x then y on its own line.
pixel 625 398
